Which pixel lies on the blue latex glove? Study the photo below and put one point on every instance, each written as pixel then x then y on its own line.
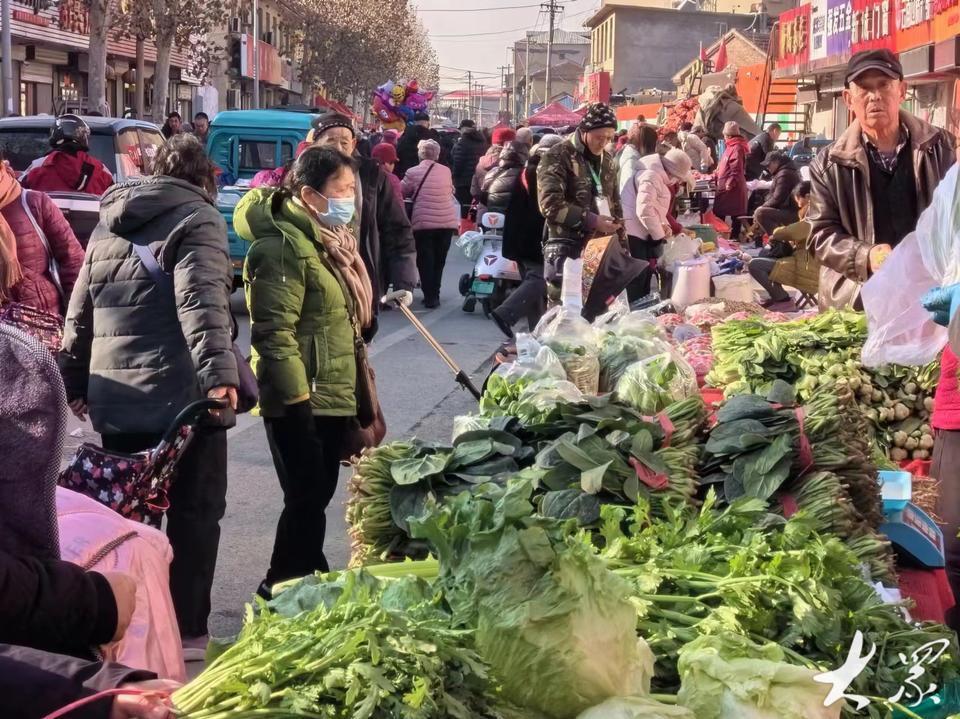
pixel 942 302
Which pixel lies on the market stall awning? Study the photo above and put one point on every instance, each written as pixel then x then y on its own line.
pixel 554 114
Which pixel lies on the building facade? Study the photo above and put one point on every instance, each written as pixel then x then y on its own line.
pixel 50 41
pixel 815 40
pixel 643 47
pixel 571 51
pixel 231 77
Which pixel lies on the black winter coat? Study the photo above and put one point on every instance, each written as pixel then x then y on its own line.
pixel 780 194
pixel 34 683
pixel 523 227
pixel 54 605
pixel 386 238
pixel 757 153
pixel 137 352
pixel 407 147
pixel 466 154
pixel 499 182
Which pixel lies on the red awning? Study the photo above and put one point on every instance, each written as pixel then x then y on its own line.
pixel 554 114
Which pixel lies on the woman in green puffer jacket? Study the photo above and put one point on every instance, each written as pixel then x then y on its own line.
pixel 309 296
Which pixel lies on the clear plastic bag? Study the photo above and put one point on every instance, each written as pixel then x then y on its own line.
pixel 900 330
pixel 628 339
pixel 471 244
pixel 678 249
pixel 547 393
pixel 653 384
pixel 574 340
pixel 534 360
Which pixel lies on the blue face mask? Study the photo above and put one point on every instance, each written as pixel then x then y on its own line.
pixel 340 211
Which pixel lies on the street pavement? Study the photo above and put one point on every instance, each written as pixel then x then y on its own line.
pixel 419 398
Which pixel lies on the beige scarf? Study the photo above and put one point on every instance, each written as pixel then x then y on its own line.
pixel 342 247
pixel 10 270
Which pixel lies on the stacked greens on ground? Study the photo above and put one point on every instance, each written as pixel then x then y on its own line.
pixel 824 351
pixel 813 457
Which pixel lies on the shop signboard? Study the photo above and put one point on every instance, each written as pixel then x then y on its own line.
pixel 914 20
pixel 839 23
pixel 595 87
pixel 818 30
pixel 946 19
pixel 794 39
pixel 270 70
pixel 872 26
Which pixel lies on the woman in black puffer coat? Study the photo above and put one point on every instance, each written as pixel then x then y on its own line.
pixel 500 182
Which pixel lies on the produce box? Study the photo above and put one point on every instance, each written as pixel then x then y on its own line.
pixel 703 232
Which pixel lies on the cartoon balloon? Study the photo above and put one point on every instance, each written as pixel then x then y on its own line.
pixel 413 87
pixel 397 96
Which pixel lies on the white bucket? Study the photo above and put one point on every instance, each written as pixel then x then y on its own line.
pixel 737 288
pixel 691 282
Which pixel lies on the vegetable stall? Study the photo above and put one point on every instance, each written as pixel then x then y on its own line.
pixel 598 541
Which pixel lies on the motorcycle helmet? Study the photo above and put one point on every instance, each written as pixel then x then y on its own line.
pixel 70 131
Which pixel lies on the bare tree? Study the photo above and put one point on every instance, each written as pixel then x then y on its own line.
pixel 101 12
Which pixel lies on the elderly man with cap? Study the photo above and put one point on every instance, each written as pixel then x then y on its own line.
pixel 731 199
pixel 870 186
pixel 577 190
pixel 415 133
pixel 466 156
pixel 779 208
pixel 383 230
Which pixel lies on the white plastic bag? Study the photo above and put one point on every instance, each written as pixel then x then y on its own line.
pixel 678 249
pixel 574 340
pixel 899 329
pixel 471 243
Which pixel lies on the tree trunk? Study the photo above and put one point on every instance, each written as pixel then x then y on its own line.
pixel 97 72
pixel 161 76
pixel 141 79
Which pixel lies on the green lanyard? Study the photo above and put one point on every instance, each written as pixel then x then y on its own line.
pixel 596 179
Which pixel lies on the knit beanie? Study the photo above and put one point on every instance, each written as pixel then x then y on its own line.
pixel 384 152
pixel 677 164
pixel 331 120
pixel 503 135
pixel 731 128
pixel 599 115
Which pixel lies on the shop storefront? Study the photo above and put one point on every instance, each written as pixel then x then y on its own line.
pixel 817 39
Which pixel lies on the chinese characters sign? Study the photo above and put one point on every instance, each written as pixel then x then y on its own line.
pixel 872 25
pixel 794 40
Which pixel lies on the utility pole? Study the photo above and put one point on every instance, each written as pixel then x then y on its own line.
pixel 503 86
pixel 509 89
pixel 6 49
pixel 526 79
pixel 469 93
pixel 256 56
pixel 552 7
pixel 480 106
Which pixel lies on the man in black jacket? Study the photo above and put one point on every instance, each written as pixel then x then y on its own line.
pixel 384 232
pixel 407 146
pixel 760 147
pixel 779 208
pixel 466 154
pixel 500 181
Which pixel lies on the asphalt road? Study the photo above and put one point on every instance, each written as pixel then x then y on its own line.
pixel 418 396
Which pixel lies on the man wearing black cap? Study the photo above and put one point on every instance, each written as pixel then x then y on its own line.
pixel 870 186
pixel 383 230
pixel 465 155
pixel 779 208
pixel 418 130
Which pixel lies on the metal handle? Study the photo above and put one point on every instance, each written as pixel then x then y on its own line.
pixel 191 414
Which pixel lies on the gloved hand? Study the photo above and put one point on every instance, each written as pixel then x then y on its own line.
pixel 942 302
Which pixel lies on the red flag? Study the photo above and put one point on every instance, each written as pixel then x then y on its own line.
pixel 703 53
pixel 720 64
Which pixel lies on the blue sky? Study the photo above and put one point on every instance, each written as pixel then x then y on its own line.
pixel 463 41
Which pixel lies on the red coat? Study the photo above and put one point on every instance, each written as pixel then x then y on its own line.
pixel 36 288
pixel 64 172
pixel 732 180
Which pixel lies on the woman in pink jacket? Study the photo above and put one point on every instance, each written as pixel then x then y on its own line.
pixel 656 182
pixel 435 216
pixel 43 255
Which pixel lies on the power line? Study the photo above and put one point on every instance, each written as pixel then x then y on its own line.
pixel 478 34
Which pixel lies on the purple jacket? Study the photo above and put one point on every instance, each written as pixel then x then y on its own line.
pixel 434 208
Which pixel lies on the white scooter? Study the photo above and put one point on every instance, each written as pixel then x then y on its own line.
pixel 494 276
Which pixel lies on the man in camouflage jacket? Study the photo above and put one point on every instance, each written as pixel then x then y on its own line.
pixel 577 190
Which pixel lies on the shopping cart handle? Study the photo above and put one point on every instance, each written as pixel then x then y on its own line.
pixel 191 414
pixel 398 297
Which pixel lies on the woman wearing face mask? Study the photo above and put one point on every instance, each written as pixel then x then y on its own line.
pixel 309 297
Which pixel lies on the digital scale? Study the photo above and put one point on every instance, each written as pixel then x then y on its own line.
pixel 909 528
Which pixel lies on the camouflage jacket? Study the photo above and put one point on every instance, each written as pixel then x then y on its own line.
pixel 566 192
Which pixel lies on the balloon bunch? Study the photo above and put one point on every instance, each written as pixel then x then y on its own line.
pixel 394 104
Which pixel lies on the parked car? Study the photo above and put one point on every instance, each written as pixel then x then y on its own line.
pixel 126 147
pixel 242 143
